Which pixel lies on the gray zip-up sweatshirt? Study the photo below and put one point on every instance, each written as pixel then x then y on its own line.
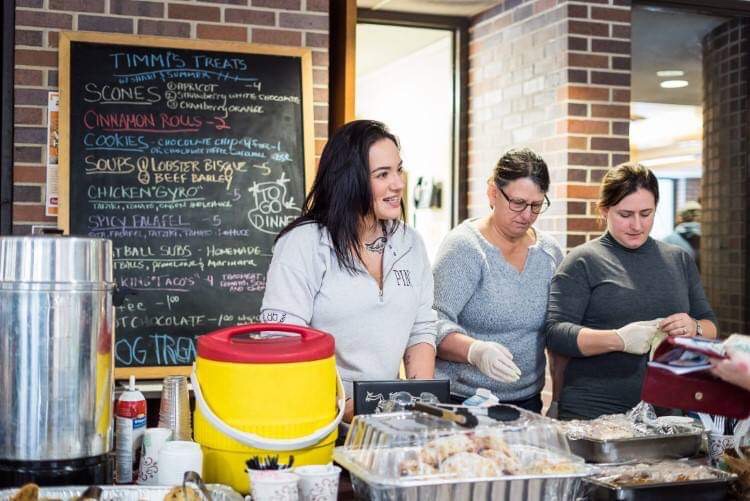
pixel 372 327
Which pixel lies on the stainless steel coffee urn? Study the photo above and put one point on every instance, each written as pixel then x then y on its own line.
pixel 56 360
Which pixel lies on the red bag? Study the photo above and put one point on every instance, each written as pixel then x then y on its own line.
pixel 696 391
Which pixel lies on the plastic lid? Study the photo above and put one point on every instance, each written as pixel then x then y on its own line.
pixel 266 344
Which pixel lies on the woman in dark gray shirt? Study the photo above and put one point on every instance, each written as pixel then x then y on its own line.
pixel 611 295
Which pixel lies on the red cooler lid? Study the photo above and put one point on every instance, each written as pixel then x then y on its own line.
pixel 255 344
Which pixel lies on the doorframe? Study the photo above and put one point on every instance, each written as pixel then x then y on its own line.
pixel 459 27
pixel 6 127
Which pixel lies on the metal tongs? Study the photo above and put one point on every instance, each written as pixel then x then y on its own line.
pixel 193 479
pixel 462 417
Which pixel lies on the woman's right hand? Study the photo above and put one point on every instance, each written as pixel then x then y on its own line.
pixel 494 360
pixel 636 336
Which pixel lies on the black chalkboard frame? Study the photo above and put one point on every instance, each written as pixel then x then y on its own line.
pixel 303 54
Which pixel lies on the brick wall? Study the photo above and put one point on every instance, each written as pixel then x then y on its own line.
pixel 516 68
pixel 553 75
pixel 725 221
pixel 38 22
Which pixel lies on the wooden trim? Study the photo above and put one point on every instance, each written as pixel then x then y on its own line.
pixel 153 372
pixel 308 118
pixel 7 103
pixel 461 125
pixel 460 28
pixel 412 20
pixel 342 62
pixel 63 154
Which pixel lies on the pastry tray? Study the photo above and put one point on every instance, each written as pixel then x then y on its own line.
pixel 368 485
pixel 682 445
pixel 219 492
pixel 715 489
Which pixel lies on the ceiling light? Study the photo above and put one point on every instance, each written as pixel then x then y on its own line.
pixel 652 162
pixel 670 73
pixel 673 84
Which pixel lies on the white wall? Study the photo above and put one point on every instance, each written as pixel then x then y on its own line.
pixel 413 95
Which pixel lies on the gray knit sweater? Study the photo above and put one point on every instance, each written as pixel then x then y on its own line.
pixel 480 294
pixel 603 285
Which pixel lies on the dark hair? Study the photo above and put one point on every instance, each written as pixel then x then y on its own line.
pixel 341 195
pixel 623 180
pixel 521 163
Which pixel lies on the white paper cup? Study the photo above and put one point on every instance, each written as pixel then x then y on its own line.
pixel 717 444
pixel 318 482
pixel 153 441
pixel 273 485
pixel 177 457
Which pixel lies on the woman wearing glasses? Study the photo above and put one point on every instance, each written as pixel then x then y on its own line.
pixel 492 278
pixel 612 294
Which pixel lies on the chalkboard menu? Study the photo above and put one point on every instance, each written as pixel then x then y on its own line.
pixel 190 156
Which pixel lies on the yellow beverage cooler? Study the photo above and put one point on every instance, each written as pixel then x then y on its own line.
pixel 264 389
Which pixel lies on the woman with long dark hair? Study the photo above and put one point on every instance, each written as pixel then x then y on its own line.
pixel 349 265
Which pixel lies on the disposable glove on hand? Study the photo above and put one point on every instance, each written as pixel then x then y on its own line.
pixel 494 360
pixel 636 336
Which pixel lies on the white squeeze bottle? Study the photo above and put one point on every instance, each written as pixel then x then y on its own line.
pixel 130 425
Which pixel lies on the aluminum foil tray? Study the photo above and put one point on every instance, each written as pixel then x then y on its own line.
pixel 417 457
pixel 509 488
pixel 706 490
pixel 683 445
pixel 218 492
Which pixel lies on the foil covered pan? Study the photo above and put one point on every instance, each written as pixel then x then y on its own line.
pixel 715 489
pixel 684 445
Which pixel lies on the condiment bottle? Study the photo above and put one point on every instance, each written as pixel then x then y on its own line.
pixel 130 425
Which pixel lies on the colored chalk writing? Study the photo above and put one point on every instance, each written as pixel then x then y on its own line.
pixel 190 161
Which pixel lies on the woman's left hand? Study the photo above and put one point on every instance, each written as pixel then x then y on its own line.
pixel 679 324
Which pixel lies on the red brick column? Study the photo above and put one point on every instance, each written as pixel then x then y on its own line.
pixel 38 22
pixel 553 76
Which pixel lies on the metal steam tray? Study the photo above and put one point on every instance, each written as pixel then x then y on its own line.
pixel 682 445
pixel 706 490
pixel 218 492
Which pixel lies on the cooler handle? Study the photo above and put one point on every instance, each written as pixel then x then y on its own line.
pixel 225 335
pixel 258 442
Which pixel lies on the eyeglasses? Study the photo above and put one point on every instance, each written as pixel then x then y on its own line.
pixel 517 205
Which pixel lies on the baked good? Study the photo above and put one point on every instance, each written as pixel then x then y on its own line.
pixel 469 465
pixel 29 492
pixel 182 494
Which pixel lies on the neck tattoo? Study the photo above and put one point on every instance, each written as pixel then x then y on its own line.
pixel 377 245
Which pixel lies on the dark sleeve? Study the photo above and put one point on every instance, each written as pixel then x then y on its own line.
pixel 568 299
pixel 699 307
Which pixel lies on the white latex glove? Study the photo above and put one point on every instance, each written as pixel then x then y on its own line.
pixel 636 336
pixel 494 360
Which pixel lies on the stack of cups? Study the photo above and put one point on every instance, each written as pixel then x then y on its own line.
pixel 174 412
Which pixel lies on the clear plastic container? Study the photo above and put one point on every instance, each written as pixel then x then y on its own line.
pixel 411 455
